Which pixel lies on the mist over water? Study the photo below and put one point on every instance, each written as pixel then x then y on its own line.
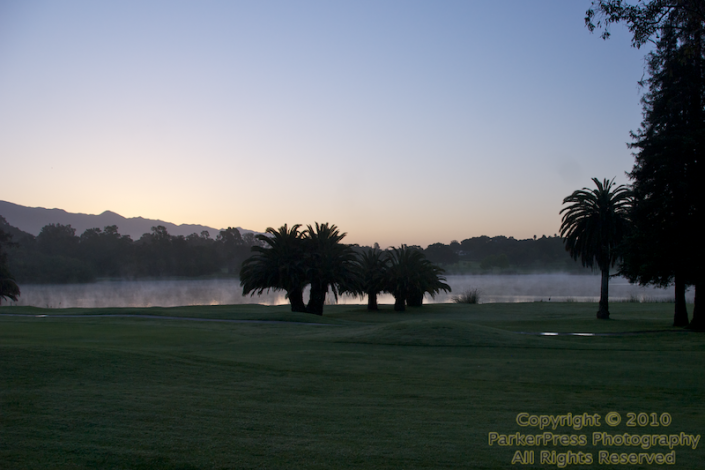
pixel 173 293
pixel 557 287
pixel 162 293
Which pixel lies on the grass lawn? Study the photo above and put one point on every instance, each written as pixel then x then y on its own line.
pixel 421 389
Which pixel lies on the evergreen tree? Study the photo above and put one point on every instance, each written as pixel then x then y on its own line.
pixel 670 206
pixel 646 19
pixel 664 246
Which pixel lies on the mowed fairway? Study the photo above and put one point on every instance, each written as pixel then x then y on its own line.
pixel 420 389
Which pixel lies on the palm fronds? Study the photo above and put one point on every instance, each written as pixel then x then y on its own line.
pixel 593 226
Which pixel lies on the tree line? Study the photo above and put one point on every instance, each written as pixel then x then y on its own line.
pixel 286 259
pixel 59 255
pixel 503 255
pixel 654 225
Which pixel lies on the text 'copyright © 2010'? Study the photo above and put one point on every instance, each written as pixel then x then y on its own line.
pixel 631 445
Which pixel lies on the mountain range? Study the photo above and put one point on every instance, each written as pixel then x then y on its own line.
pixel 32 219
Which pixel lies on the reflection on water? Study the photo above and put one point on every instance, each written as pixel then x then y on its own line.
pixel 492 288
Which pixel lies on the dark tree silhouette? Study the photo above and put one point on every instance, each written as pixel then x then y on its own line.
pixel 58 240
pixel 330 265
pixel 673 128
pixel 8 287
pixel 441 254
pixel 667 176
pixel 290 260
pixel 410 275
pixel 646 19
pixel 157 249
pixel 278 265
pixel 108 252
pixel 373 271
pixel 428 280
pixel 232 249
pixel 593 226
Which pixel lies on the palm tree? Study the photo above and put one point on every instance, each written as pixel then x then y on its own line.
pixel 330 264
pixel 429 279
pixel 373 271
pixel 594 224
pixel 410 275
pixel 8 286
pixel 278 265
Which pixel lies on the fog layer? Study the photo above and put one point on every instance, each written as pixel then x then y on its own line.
pixel 491 288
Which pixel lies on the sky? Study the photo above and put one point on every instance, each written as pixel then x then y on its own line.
pixel 406 121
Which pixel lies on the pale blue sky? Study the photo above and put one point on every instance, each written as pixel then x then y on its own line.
pixel 400 121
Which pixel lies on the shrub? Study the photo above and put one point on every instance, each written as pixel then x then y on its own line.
pixel 470 296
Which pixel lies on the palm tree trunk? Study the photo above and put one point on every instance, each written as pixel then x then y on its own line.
pixel 317 299
pixel 399 303
pixel 415 299
pixel 680 316
pixel 296 298
pixel 372 301
pixel 698 322
pixel 603 312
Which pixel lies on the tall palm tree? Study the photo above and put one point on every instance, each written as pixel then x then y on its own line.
pixel 330 265
pixel 278 265
pixel 373 270
pixel 594 224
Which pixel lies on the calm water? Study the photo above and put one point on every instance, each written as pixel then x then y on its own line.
pixel 492 288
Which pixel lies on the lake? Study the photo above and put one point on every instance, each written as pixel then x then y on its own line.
pixel 171 293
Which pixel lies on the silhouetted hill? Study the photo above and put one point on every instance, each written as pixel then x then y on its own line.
pixel 32 219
